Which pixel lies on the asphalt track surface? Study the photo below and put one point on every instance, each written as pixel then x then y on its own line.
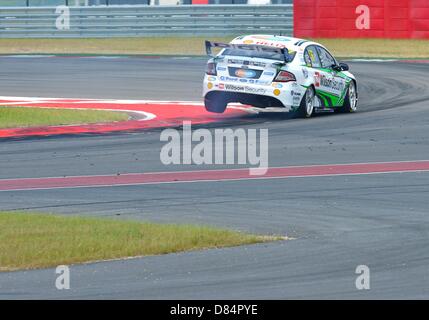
pixel 338 222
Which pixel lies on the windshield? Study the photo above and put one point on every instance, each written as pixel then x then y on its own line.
pixel 257 54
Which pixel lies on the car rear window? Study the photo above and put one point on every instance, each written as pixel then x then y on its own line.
pixel 256 54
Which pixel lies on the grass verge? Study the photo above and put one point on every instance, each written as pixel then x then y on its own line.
pixel 14 117
pixel 126 46
pixel 29 240
pixel 383 48
pixel 377 48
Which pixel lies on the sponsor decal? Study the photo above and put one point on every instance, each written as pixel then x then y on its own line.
pixel 258 64
pixel 331 83
pixel 261 82
pixel 270 44
pixel 270 38
pixel 305 73
pixel 268 73
pixel 246 62
pixel 317 79
pixel 245 73
pixel 221 86
pixel 243 80
pixel 296 97
pixel 248 41
pixel 211 78
pixel 234 87
pixel 221 68
pixel 246 89
pixel 230 79
pixel 277 85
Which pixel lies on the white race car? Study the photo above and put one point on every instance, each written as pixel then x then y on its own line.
pixel 277 72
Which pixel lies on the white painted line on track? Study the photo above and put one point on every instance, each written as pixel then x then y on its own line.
pixel 373 60
pixel 31 100
pixel 217 180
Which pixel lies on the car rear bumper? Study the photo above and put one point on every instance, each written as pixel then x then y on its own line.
pixel 260 101
pixel 273 95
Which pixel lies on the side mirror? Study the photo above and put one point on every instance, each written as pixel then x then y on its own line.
pixel 344 66
pixel 341 67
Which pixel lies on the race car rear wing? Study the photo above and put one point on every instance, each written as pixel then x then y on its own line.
pixel 283 52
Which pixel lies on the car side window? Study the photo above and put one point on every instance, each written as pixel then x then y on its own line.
pixel 326 59
pixel 311 57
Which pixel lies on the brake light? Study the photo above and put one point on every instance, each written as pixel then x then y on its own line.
pixel 211 68
pixel 285 76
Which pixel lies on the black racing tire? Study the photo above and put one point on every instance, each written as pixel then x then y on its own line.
pixel 215 104
pixel 350 101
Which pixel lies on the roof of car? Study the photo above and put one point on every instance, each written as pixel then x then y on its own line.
pixel 272 41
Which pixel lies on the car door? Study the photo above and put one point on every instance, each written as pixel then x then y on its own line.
pixel 332 83
pixel 319 74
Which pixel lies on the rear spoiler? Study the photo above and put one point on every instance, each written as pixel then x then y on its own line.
pixel 287 56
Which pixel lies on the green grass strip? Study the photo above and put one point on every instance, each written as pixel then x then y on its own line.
pixel 346 48
pixel 13 117
pixel 29 240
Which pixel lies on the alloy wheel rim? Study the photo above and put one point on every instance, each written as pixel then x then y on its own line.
pixel 309 102
pixel 352 96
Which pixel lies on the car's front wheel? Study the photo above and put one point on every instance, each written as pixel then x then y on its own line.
pixel 350 101
pixel 215 104
pixel 307 103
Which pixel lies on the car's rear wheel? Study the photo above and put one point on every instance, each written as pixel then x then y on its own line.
pixel 307 103
pixel 215 104
pixel 350 101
